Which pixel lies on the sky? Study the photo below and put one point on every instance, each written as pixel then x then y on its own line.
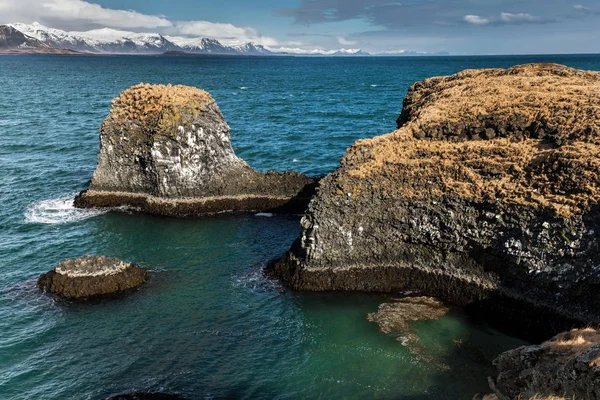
pixel 453 26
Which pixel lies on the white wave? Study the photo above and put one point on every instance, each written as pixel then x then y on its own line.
pixel 262 214
pixel 295 160
pixel 243 88
pixel 58 211
pixel 374 85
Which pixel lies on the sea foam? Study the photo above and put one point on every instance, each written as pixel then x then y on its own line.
pixel 263 214
pixel 58 211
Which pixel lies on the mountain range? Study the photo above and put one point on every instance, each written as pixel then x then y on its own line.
pixel 36 38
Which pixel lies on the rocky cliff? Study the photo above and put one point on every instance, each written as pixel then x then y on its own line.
pixel 167 150
pixel 486 196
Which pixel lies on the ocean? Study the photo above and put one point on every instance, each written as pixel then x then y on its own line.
pixel 208 325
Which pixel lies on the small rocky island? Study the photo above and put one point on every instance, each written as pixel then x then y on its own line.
pixel 166 150
pixel 92 276
pixel 486 196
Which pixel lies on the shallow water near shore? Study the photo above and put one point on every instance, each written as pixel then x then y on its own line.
pixel 208 324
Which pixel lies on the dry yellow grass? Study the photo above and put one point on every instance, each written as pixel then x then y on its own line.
pixel 569 345
pixel 144 101
pixel 559 172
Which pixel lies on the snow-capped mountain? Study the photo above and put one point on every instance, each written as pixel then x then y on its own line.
pixel 201 45
pixel 99 41
pixel 253 49
pixel 111 41
pixel 350 52
pixel 13 38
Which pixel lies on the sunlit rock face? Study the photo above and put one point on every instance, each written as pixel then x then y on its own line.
pixel 167 150
pixel 486 195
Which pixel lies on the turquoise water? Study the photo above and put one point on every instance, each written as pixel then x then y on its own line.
pixel 208 324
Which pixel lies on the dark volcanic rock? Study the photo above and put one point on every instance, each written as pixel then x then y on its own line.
pixel 92 276
pixel 568 365
pixel 486 196
pixel 167 150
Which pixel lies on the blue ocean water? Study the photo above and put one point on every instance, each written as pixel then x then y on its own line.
pixel 208 324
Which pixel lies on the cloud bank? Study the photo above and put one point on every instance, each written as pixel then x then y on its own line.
pixel 79 15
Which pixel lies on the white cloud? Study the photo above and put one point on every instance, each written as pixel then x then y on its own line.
pixel 79 15
pixel 344 42
pixel 476 20
pixel 509 18
pixel 505 18
pixel 581 7
pixel 226 33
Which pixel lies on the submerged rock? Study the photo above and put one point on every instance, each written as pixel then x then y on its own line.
pixel 567 365
pixel 91 276
pixel 167 150
pixel 487 195
pixel 398 318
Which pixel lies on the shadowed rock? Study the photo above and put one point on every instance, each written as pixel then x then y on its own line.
pixel 486 196
pixel 167 150
pixel 92 276
pixel 567 365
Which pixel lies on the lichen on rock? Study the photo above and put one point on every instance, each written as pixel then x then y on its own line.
pixel 486 196
pixel 92 276
pixel 167 150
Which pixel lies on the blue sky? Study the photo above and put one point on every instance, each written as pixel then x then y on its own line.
pixel 455 26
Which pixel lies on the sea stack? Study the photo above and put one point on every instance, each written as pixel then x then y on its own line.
pixel 486 196
pixel 92 276
pixel 167 150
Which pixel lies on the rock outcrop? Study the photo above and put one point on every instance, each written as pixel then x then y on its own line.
pixel 167 150
pixel 567 365
pixel 92 276
pixel 486 196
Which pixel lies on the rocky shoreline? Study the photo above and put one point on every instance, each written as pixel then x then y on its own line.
pixel 486 197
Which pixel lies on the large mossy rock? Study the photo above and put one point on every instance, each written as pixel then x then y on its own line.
pixel 486 195
pixel 92 276
pixel 167 150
